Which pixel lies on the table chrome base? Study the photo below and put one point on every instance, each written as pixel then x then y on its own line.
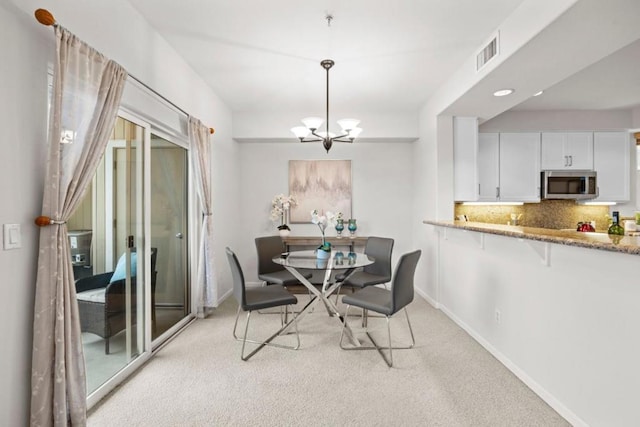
pixel 324 296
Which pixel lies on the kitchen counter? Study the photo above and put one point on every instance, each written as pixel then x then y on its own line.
pixel 602 241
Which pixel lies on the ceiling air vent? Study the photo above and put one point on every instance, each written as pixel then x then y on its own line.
pixel 487 53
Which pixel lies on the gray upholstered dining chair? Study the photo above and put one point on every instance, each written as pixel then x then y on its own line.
pixel 269 272
pixel 380 248
pixel 386 302
pixel 255 299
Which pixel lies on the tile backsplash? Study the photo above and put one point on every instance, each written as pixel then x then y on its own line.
pixel 555 214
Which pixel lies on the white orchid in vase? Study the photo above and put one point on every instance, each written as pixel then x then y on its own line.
pixel 280 206
pixel 322 221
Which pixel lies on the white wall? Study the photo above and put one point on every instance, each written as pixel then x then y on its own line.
pixel 23 109
pixel 382 186
pixel 443 276
pixel 569 330
pixel 119 32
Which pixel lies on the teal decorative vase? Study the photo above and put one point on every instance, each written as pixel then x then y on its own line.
pixel 324 250
pixel 322 254
pixel 352 226
pixel 339 227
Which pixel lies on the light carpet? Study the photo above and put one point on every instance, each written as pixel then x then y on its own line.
pixel 448 379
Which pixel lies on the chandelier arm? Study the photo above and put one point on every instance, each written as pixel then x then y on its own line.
pixel 338 139
pixel 318 139
pixel 322 138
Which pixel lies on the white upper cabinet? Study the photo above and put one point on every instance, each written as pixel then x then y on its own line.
pixel 494 167
pixel 612 162
pixel 488 167
pixel 567 150
pixel 520 167
pixel 465 155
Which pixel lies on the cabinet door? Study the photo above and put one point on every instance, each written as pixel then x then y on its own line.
pixel 488 166
pixel 552 151
pixel 612 158
pixel 465 159
pixel 567 150
pixel 579 150
pixel 520 167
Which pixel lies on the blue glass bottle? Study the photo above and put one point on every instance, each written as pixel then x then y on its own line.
pixel 352 226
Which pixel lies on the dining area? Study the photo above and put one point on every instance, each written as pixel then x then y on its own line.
pixel 447 378
pixel 374 283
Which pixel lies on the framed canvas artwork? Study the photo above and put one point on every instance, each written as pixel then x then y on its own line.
pixel 324 185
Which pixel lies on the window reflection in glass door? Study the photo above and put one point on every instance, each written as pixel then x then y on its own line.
pixel 108 233
pixel 107 239
pixel 169 232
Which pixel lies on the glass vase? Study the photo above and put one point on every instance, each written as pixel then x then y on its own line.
pixel 352 226
pixel 339 227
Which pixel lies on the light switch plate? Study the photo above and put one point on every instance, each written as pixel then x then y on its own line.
pixel 12 236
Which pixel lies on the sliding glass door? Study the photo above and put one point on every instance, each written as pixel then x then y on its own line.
pixel 130 241
pixel 113 271
pixel 169 233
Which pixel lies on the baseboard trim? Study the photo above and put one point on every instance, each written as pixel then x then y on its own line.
pixel 551 400
pixel 427 298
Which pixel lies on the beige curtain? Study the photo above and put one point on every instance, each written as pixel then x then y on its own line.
pixel 86 94
pixel 199 152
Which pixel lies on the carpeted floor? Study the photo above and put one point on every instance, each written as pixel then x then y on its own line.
pixel 448 379
pixel 100 367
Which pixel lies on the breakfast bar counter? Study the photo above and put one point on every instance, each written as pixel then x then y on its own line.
pixel 602 241
pixel 559 308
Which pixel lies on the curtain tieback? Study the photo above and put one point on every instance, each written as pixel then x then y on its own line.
pixel 43 221
pixel 206 214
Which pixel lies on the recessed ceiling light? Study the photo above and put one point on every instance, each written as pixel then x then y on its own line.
pixel 538 93
pixel 503 92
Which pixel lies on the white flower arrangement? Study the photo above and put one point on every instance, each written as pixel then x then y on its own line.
pixel 279 205
pixel 322 221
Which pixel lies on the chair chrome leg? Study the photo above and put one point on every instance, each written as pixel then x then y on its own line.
pixel 344 326
pixel 235 325
pixel 413 339
pixel 338 293
pixel 244 341
pixel 266 342
pixel 390 348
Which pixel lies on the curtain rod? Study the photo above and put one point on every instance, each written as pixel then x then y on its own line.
pixel 45 17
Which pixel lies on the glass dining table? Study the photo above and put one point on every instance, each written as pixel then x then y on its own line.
pixel 346 263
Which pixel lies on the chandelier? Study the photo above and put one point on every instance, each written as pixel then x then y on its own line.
pixel 310 131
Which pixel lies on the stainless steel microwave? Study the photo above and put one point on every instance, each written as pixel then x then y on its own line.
pixel 568 184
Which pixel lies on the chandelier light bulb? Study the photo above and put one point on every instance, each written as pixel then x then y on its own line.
pixel 300 131
pixel 353 133
pixel 348 124
pixel 313 123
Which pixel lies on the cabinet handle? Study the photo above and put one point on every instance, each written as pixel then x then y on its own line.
pixel 566 160
pixel 570 160
pixel 479 189
pixel 497 192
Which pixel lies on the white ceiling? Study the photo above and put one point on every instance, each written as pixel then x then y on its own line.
pixel 263 55
pixel 610 84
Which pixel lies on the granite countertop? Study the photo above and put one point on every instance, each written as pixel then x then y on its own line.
pixel 603 241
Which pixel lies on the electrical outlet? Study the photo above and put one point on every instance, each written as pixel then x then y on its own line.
pixel 497 316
